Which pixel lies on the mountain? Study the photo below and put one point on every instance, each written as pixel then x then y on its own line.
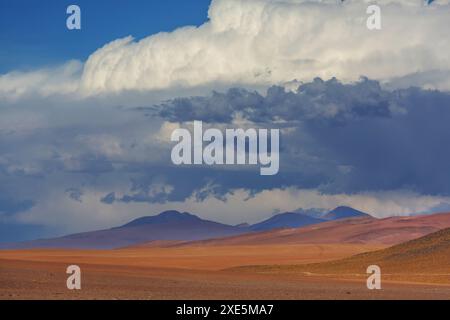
pixel 345 213
pixel 167 226
pixel 164 218
pixel 364 230
pixel 286 220
pixel 335 214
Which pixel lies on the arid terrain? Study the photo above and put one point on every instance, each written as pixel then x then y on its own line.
pixel 277 264
pixel 423 260
pixel 40 280
pixel 198 272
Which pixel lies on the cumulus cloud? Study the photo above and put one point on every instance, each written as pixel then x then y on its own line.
pixel 265 42
pixel 61 80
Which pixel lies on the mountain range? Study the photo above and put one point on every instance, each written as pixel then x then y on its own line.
pixel 358 230
pixel 172 226
pixel 169 225
pixel 343 224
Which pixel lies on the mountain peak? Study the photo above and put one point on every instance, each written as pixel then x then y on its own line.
pixel 285 220
pixel 163 217
pixel 242 225
pixel 174 214
pixel 344 212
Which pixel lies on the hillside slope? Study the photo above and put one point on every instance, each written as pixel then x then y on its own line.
pixel 423 260
pixel 387 231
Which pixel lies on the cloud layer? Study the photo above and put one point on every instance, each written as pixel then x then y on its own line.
pixel 262 42
pixel 265 42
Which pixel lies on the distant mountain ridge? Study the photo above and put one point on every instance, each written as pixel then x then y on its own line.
pixel 387 231
pixel 167 226
pixel 305 217
pixel 179 226
pixel 286 220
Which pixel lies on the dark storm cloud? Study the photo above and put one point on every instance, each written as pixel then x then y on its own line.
pixel 349 137
pixel 75 194
pixel 10 206
pixel 180 183
pixel 407 150
pixel 13 232
pixel 320 100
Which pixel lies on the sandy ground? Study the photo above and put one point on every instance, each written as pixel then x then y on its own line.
pixel 38 280
pixel 197 257
pixel 191 273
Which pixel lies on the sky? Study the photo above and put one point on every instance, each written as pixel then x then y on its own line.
pixel 33 33
pixel 86 115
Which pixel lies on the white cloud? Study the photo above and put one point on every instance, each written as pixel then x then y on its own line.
pixel 261 42
pixel 91 214
pixel 165 132
pixel 379 204
pixel 44 82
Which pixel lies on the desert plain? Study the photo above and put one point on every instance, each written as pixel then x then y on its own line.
pixel 202 272
pixel 325 261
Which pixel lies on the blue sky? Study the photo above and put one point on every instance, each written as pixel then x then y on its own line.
pixel 34 34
